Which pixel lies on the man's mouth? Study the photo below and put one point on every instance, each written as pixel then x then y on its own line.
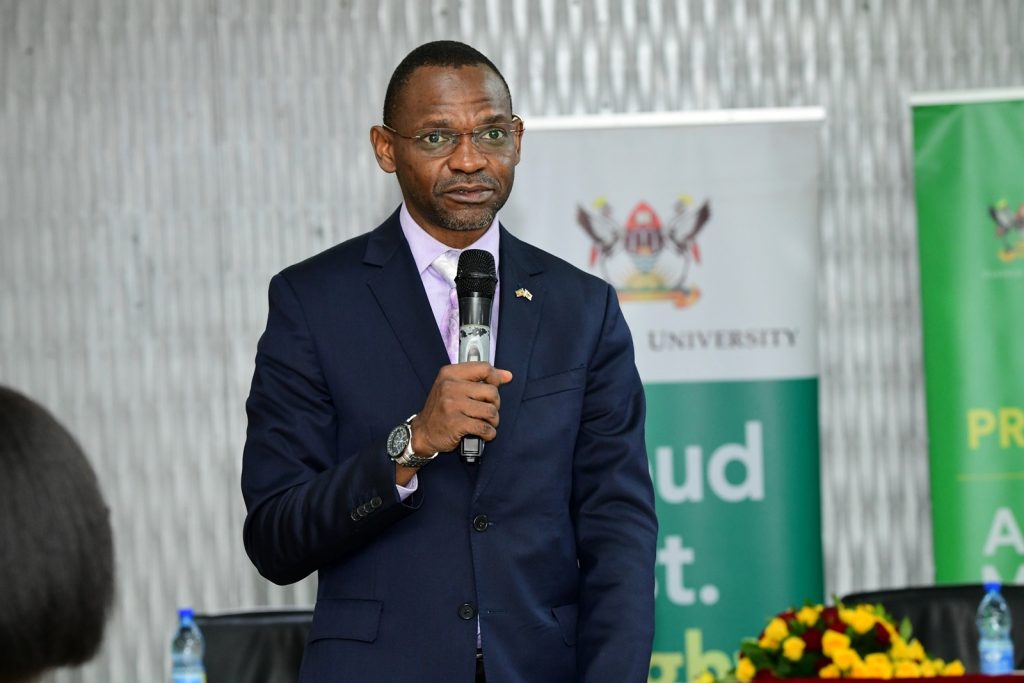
pixel 469 194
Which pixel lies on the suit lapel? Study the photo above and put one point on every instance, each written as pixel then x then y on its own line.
pixel 398 290
pixel 519 319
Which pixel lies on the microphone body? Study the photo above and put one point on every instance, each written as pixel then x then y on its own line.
pixel 474 329
pixel 475 284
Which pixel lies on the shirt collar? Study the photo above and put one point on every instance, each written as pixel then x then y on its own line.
pixel 425 248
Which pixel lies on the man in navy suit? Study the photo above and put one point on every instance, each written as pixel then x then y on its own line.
pixel 537 564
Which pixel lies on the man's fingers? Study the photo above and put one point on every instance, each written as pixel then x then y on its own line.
pixel 484 430
pixel 479 410
pixel 479 391
pixel 476 371
pixel 464 401
pixel 498 377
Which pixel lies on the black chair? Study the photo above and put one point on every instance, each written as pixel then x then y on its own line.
pixel 943 617
pixel 254 647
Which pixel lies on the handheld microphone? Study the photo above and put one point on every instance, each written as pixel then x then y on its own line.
pixel 475 282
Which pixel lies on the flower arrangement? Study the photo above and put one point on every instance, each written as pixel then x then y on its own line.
pixel 837 642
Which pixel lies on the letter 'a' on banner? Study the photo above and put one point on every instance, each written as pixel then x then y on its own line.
pixel 706 223
pixel 969 176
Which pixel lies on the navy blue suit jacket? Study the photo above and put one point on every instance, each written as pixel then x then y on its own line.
pixel 550 541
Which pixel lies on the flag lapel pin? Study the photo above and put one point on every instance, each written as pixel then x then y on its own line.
pixel 524 293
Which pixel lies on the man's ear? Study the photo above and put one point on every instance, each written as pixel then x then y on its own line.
pixel 519 145
pixel 382 149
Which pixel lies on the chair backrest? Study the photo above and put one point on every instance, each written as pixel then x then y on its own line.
pixel 254 647
pixel 943 617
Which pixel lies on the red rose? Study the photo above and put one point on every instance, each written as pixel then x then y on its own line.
pixel 789 616
pixel 812 640
pixel 830 617
pixel 882 636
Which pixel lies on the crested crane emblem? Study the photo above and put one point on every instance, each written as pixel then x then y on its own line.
pixel 1009 230
pixel 643 259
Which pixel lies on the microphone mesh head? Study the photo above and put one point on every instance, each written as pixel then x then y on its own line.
pixel 476 274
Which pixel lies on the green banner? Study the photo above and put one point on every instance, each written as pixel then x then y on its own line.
pixel 969 173
pixel 737 485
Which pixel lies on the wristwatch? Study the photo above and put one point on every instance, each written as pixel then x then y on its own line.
pixel 400 446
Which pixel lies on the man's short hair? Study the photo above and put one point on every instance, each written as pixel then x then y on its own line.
pixel 56 545
pixel 444 53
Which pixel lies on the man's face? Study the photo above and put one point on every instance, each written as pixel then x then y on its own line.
pixel 456 196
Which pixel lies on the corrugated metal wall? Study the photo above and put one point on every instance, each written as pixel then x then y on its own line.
pixel 160 159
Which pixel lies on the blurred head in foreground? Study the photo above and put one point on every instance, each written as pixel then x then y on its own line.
pixel 56 546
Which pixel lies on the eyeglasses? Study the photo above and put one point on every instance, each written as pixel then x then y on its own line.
pixel 490 138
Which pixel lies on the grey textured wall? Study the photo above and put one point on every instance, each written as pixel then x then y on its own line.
pixel 160 159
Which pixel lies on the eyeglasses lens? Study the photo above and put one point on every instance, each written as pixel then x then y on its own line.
pixel 496 138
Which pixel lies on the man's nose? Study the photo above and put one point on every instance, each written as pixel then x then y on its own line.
pixel 466 157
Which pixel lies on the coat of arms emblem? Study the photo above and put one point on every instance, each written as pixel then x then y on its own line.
pixel 642 258
pixel 1009 229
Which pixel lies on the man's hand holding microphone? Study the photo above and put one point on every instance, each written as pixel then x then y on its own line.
pixel 462 408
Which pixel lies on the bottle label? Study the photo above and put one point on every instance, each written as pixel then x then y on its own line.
pixel 996 657
pixel 189 678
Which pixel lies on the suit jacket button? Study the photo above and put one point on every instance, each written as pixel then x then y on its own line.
pixel 480 523
pixel 467 611
pixel 375 502
pixel 355 516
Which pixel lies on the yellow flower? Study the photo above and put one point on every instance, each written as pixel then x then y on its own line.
pixel 793 648
pixel 879 665
pixel 745 670
pixel 862 621
pixel 830 671
pixel 906 670
pixel 845 658
pixel 706 677
pixel 899 649
pixel 776 630
pixel 767 643
pixel 860 670
pixel 916 650
pixel 928 669
pixel 954 668
pixel 808 616
pixel 832 641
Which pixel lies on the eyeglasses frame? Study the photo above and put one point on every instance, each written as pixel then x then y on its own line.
pixel 515 119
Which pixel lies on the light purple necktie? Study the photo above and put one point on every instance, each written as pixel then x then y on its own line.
pixel 446 265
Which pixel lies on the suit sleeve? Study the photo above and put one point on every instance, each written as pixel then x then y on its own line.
pixel 613 504
pixel 310 501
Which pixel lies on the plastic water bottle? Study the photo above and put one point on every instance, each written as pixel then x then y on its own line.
pixel 995 649
pixel 187 650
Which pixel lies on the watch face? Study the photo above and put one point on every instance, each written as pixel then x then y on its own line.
pixel 398 439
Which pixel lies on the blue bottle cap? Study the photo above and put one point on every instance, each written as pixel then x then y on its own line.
pixel 992 586
pixel 186 613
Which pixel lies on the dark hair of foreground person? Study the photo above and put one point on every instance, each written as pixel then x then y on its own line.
pixel 56 545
